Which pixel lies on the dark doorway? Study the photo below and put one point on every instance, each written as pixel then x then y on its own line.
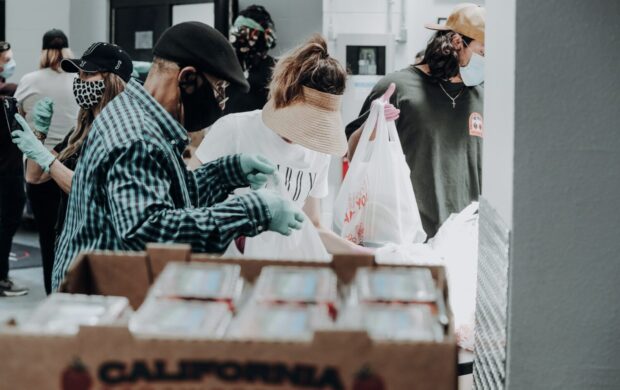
pixel 2 19
pixel 136 25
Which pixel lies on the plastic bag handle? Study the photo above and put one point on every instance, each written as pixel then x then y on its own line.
pixel 376 115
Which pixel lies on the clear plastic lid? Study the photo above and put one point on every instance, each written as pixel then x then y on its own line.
pixel 180 318
pixel 414 322
pixel 278 322
pixel 64 313
pixel 296 284
pixel 198 281
pixel 395 284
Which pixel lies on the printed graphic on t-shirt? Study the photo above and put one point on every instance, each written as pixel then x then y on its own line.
pixel 476 126
pixel 298 183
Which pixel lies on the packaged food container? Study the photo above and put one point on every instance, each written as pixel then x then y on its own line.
pixel 200 281
pixel 64 313
pixel 414 322
pixel 301 285
pixel 296 285
pixel 394 285
pixel 264 321
pixel 161 317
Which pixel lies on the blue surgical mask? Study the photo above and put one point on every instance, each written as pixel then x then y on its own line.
pixel 473 73
pixel 9 69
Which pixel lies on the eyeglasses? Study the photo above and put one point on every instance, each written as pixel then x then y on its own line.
pixel 219 91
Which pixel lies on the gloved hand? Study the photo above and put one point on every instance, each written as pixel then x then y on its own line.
pixel 391 113
pixel 285 216
pixel 30 145
pixel 42 115
pixel 256 169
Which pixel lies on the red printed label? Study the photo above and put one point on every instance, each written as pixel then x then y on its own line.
pixel 476 125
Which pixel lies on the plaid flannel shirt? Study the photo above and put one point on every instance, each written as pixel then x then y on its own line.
pixel 132 187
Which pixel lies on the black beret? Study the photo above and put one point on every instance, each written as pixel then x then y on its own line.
pixel 203 47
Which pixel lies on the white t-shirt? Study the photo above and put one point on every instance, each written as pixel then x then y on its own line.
pixel 304 171
pixel 43 83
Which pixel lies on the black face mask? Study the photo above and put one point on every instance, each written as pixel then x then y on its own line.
pixel 201 108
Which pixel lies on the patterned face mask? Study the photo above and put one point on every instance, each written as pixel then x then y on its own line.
pixel 88 93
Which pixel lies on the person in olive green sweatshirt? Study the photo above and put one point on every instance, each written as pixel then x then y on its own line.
pixel 440 123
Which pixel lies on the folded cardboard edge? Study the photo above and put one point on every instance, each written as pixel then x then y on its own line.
pixel 121 335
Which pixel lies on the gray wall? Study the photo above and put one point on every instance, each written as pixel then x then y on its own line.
pixel 295 20
pixel 563 306
pixel 89 23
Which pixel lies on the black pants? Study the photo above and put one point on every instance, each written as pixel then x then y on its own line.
pixel 44 200
pixel 12 200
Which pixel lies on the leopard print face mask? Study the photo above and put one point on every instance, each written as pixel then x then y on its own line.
pixel 88 93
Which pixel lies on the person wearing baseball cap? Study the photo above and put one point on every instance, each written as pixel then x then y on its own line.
pixel 437 105
pixel 132 187
pixel 47 83
pixel 103 72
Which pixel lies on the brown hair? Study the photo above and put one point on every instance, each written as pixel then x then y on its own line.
pixel 307 65
pixel 51 58
pixel 114 85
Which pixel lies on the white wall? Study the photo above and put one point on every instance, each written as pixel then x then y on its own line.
pixel 370 16
pixel 499 89
pixel 89 23
pixel 26 22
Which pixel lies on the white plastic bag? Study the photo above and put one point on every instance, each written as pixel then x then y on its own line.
pixel 302 245
pixel 457 242
pixel 376 204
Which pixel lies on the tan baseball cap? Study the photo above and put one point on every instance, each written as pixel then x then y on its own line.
pixel 466 19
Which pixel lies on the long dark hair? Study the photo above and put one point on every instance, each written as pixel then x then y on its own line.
pixel 114 85
pixel 441 56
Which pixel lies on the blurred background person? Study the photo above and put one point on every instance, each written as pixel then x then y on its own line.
pixel 252 35
pixel 100 80
pixel 440 125
pixel 12 196
pixel 50 81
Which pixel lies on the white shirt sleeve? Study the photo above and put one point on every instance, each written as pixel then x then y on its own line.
pixel 220 140
pixel 27 96
pixel 320 187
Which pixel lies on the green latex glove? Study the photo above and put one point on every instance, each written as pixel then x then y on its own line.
pixel 42 114
pixel 285 216
pixel 257 169
pixel 32 148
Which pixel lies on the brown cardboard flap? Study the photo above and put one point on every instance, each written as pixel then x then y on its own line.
pixel 162 254
pixel 346 266
pixel 79 276
pixel 120 274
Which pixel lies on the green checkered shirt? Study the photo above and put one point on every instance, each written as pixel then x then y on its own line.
pixel 131 187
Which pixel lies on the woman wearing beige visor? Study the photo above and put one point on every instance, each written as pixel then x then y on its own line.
pixel 298 129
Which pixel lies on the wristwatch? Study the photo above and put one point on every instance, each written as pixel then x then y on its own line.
pixel 40 136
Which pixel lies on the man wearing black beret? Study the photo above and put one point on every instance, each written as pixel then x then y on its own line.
pixel 131 185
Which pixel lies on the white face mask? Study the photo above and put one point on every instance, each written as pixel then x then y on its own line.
pixel 9 69
pixel 473 73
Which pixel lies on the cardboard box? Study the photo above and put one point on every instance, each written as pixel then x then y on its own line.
pixel 110 357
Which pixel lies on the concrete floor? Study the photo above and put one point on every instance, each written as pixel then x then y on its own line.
pixel 19 307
